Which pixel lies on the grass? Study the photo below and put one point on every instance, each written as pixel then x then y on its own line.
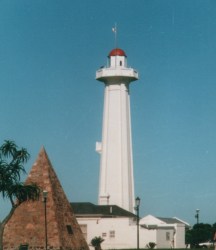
pixel 210 248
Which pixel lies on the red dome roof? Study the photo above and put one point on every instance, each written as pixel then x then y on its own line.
pixel 117 52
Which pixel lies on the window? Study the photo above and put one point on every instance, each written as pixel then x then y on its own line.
pixel 23 247
pixel 112 234
pixel 167 235
pixel 104 234
pixel 120 63
pixel 69 229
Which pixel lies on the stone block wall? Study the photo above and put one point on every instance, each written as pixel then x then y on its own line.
pixel 27 224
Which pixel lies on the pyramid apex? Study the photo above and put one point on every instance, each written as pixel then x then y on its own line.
pixel 43 156
pixel 41 170
pixel 43 150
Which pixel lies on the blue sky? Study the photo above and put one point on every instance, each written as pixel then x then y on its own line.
pixel 49 52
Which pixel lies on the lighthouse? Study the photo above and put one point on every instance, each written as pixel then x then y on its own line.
pixel 116 180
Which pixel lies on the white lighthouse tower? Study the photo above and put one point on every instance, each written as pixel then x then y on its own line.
pixel 116 184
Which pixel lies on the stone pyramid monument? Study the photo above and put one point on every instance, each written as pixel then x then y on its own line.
pixel 27 225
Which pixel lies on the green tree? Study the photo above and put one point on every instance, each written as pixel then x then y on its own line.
pixel 213 231
pixel 12 160
pixel 199 233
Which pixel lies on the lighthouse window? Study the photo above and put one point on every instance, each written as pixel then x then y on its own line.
pixel 120 63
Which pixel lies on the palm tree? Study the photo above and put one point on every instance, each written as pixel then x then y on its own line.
pixel 96 242
pixel 12 160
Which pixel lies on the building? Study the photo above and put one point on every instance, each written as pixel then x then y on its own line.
pixel 116 183
pixel 165 232
pixel 118 227
pixel 114 218
pixel 115 225
pixel 28 226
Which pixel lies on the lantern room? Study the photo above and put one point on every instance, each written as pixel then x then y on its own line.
pixel 117 58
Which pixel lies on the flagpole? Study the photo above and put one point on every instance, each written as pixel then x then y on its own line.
pixel 115 45
pixel 115 35
pixel 114 29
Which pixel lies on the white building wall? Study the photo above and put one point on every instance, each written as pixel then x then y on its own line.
pixel 116 232
pixel 147 236
pixel 116 172
pixel 180 236
pixel 119 233
pixel 167 235
pixel 164 238
pixel 116 180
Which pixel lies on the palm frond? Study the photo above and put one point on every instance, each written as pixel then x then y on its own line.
pixel 12 161
pixel 22 192
pixel 8 149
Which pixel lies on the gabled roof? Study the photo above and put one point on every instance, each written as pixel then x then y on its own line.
pixel 88 209
pixel 173 220
pixel 153 222
pixel 170 220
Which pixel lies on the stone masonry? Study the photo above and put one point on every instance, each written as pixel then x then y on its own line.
pixel 27 224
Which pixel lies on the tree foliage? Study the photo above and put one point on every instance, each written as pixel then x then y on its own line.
pixel 12 160
pixel 96 242
pixel 200 233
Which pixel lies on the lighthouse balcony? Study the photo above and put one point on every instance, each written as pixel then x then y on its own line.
pixel 105 73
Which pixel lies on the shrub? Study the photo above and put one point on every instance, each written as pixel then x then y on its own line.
pixel 151 245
